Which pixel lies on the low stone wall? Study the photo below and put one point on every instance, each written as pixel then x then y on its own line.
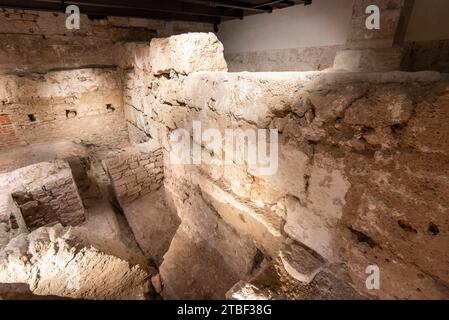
pixel 135 171
pixel 291 59
pixel 44 193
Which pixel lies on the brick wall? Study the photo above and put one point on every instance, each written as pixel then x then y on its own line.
pixel 8 137
pixel 135 171
pixel 45 193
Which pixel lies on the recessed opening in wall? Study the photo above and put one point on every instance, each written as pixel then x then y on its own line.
pixel 110 108
pixel 433 229
pixel 70 114
pixel 96 17
pixel 32 117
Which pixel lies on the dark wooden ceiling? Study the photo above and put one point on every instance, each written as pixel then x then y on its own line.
pixel 182 10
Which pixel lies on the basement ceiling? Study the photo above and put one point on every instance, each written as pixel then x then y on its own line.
pixel 181 10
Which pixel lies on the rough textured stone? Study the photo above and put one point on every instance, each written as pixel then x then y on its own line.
pixel 43 193
pixel 299 262
pixel 88 98
pixel 187 53
pixel 246 291
pixel 368 60
pixel 135 171
pixel 72 263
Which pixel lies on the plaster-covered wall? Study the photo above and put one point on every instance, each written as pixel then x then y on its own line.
pixel 302 38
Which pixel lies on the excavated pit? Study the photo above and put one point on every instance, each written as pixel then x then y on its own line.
pixel 92 205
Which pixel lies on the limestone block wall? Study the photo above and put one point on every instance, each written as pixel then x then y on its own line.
pixel 135 171
pixel 360 179
pixel 44 193
pixel 55 81
pixel 36 41
pixel 63 104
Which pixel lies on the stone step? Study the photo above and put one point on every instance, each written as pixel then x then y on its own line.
pixel 299 262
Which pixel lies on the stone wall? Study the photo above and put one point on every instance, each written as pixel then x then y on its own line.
pixel 56 105
pixel 8 136
pixel 360 178
pixel 36 41
pixel 135 171
pixel 74 263
pixel 292 59
pixel 55 81
pixel 44 193
pixel 407 40
pixel 426 55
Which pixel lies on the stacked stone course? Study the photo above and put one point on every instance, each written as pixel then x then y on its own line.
pixel 135 171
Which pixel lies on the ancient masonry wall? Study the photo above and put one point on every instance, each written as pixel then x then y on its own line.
pixel 55 81
pixel 360 181
pixel 135 171
pixel 8 136
pixel 42 194
pixel 24 33
pixel 56 105
pixel 72 262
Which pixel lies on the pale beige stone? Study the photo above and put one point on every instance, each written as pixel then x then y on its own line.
pixel 187 53
pixel 73 263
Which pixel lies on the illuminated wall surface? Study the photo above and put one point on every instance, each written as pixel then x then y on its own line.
pixel 136 163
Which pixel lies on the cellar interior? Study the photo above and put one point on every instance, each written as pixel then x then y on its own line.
pixel 115 181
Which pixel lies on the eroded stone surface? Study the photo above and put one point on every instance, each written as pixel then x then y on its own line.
pixel 69 262
pixel 299 262
pixel 246 291
pixel 187 53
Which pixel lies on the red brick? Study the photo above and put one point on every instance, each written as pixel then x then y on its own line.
pixel 4 119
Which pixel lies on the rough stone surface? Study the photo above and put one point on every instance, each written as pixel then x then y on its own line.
pixel 187 53
pixel 361 177
pixel 342 138
pixel 53 106
pixel 135 171
pixel 299 262
pixel 25 33
pixel 153 223
pixel 68 262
